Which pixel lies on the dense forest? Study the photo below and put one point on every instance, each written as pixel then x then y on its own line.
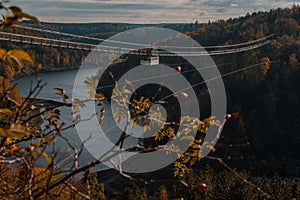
pixel 266 98
pixel 265 139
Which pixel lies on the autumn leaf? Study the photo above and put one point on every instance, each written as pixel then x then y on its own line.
pixel 15 15
pixel 15 131
pixel 47 157
pixel 8 21
pixel 186 159
pixel 20 55
pixel 62 93
pixel 101 116
pixel 17 12
pixel 9 72
pixel 193 160
pixel 2 54
pixel 99 96
pixel 14 58
pixel 91 83
pixel 7 88
pixel 4 112
pixel 46 141
pixel 59 91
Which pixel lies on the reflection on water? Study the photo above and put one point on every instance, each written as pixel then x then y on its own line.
pixel 65 79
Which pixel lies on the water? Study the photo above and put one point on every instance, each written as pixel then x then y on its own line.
pixel 65 79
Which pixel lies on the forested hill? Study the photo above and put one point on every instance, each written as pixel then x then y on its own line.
pixel 267 97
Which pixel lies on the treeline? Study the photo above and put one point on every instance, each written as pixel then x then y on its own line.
pixel 223 185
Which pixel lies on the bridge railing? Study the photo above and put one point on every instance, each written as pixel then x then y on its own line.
pixel 26 39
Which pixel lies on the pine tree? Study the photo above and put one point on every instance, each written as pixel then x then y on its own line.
pixel 96 188
pixel 280 189
pixel 163 193
pixel 295 189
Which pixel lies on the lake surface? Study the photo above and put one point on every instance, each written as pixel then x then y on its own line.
pixel 65 79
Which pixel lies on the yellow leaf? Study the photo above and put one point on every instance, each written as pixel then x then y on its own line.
pixel 145 128
pixel 4 112
pixel 91 83
pixel 60 92
pixel 20 54
pixel 15 131
pixel 17 12
pixel 131 125
pixel 46 140
pixel 186 159
pixel 115 115
pixel 176 173
pixel 9 72
pixel 18 131
pixel 47 157
pixel 195 146
pixel 2 54
pixel 187 138
pixel 3 132
pixel 91 93
pixel 193 160
pixel 15 62
pixel 15 147
pixel 158 136
pixel 10 90
pixel 128 82
pixel 99 96
pixel 101 116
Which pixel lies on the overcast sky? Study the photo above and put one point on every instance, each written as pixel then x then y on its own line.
pixel 144 11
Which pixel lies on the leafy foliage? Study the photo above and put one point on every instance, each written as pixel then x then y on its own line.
pixel 24 143
pixel 96 189
pixel 14 15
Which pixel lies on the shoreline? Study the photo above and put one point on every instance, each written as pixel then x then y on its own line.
pixel 44 71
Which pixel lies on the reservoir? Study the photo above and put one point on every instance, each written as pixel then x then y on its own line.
pixel 65 80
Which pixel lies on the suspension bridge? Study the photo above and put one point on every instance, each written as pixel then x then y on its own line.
pixel 182 51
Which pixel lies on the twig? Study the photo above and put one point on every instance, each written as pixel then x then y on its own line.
pixel 78 192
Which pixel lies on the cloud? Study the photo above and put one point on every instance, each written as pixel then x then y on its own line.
pixel 203 13
pixel 141 11
pixel 234 5
pixel 221 10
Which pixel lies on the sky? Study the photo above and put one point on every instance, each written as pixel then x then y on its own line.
pixel 144 11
